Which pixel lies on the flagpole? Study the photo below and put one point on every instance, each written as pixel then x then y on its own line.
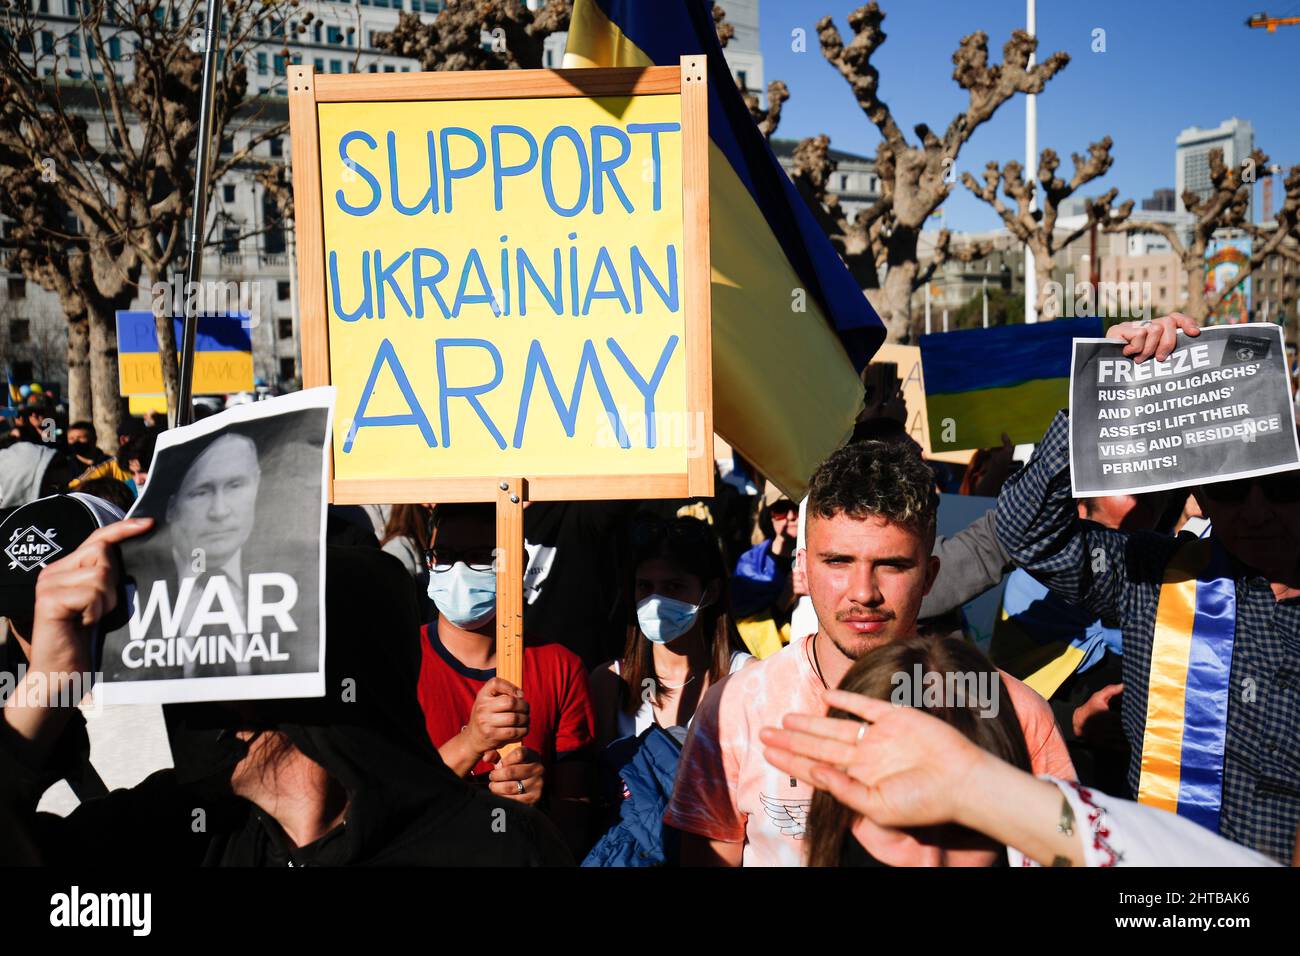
pixel 184 411
pixel 1031 172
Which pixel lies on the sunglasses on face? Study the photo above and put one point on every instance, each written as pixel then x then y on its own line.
pixel 1282 488
pixel 783 511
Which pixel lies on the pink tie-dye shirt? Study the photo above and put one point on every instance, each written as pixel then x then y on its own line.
pixel 725 790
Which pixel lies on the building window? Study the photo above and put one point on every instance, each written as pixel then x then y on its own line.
pixel 277 146
pixel 743 77
pixel 336 66
pixel 229 240
pixel 287 370
pixel 47 43
pixel 228 192
pixel 282 290
pixel 261 64
pixel 388 68
pixel 315 31
pixel 334 35
pixel 280 65
pixel 319 64
pixel 17 287
pixel 227 145
pixel 74 45
pixel 286 328
pixel 20 330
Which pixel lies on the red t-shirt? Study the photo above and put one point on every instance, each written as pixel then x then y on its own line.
pixel 555 685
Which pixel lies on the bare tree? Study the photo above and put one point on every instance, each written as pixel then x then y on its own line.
pixel 915 180
pixel 453 40
pixel 1224 207
pixel 769 118
pixel 861 240
pixel 108 165
pixel 1037 227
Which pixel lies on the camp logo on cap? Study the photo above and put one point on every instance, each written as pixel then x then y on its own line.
pixel 31 548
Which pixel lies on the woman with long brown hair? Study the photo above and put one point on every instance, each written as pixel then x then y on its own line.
pixel 680 637
pixel 952 680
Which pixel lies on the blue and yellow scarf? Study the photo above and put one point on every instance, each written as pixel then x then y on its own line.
pixel 1187 693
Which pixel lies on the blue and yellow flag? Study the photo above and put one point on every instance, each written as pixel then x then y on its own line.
pixel 791 328
pixel 980 383
pixel 223 355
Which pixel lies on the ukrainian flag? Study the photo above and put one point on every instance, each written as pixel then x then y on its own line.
pixel 791 329
pixel 223 354
pixel 980 383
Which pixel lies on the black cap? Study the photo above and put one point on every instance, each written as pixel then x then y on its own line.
pixel 41 532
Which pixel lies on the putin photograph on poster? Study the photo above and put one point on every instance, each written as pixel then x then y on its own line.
pixel 225 593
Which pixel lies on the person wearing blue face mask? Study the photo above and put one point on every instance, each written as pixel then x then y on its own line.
pixel 682 639
pixel 470 712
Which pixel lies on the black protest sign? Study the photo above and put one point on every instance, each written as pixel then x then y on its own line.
pixel 1218 408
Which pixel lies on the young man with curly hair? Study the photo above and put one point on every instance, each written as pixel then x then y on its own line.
pixel 870 531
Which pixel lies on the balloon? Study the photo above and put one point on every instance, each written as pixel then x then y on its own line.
pixel 36 388
pixel 24 390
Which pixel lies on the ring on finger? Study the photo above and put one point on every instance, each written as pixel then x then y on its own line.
pixel 862 732
pixel 519 786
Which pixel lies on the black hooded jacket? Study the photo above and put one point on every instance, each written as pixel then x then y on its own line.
pixel 405 807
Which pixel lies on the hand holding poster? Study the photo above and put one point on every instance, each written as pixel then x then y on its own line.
pixel 1218 408
pixel 226 591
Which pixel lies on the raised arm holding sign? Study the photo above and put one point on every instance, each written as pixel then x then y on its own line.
pixel 1163 411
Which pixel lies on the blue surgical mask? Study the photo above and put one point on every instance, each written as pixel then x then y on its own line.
pixel 466 597
pixel 665 619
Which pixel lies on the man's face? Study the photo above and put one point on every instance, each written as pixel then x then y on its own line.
pixel 866 577
pixel 215 507
pixel 1126 512
pixel 138 473
pixel 78 436
pixel 1263 533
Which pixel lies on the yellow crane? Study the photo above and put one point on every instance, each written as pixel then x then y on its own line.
pixel 1271 23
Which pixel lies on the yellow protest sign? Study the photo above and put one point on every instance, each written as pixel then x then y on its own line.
pixel 506 274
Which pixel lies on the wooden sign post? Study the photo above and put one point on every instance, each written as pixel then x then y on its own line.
pixel 505 274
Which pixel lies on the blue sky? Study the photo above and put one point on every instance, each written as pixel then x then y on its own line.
pixel 1168 64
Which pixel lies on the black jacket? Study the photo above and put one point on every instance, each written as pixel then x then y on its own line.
pixel 405 807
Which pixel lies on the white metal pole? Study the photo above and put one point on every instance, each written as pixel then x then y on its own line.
pixel 927 308
pixel 986 303
pixel 1031 172
pixel 945 320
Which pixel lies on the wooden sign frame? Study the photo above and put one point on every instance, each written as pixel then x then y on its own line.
pixel 307 89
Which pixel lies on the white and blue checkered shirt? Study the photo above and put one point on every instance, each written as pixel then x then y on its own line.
pixel 1117 576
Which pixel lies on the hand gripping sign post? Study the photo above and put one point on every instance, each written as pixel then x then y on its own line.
pixel 1218 408
pixel 505 274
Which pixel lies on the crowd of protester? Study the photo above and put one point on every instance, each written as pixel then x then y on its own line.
pixel 713 681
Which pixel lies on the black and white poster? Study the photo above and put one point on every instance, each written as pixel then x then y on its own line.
pixel 226 591
pixel 1218 408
